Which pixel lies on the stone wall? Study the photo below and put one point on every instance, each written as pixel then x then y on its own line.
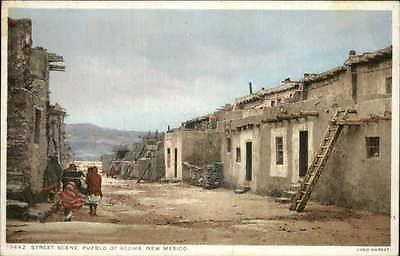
pixel 19 124
pixel 56 136
pixel 27 114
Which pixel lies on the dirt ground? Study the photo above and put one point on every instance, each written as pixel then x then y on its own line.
pixel 175 213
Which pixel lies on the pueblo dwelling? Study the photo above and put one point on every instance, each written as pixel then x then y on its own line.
pixel 329 133
pixel 35 127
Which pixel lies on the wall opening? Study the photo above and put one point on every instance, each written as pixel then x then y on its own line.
pixel 228 144
pixel 354 84
pixel 372 144
pixel 168 157
pixel 303 153
pixel 279 150
pixel 388 84
pixel 176 163
pixel 249 160
pixel 38 117
pixel 238 158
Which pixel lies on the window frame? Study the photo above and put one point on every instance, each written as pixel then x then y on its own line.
pixel 168 157
pixel 388 89
pixel 37 124
pixel 279 152
pixel 228 144
pixel 372 146
pixel 238 158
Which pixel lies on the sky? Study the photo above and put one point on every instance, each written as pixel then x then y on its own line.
pixel 147 69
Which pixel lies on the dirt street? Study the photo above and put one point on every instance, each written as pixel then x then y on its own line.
pixel 177 213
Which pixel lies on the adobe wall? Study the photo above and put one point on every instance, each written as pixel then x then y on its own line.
pixel 350 179
pixel 353 180
pixel 370 83
pixel 196 147
pixel 371 79
pixel 173 140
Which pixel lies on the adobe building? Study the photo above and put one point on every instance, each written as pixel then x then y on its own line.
pixel 144 162
pixel 56 136
pixel 269 138
pixel 29 115
pixel 197 142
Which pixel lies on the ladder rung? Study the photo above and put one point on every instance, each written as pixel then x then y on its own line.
pixel 318 164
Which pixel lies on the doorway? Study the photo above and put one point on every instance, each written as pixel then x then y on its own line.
pixel 176 163
pixel 249 161
pixel 303 153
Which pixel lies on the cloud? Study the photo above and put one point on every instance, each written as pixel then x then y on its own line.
pixel 145 69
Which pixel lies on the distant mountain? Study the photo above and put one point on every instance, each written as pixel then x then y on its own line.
pixel 89 141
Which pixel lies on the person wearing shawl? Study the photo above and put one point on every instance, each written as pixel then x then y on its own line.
pixel 70 200
pixel 72 174
pixel 94 194
pixel 52 178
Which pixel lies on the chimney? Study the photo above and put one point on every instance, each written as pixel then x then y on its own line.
pixel 168 128
pixel 250 88
pixel 352 53
pixel 287 80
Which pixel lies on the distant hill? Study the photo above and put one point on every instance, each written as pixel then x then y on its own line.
pixel 89 142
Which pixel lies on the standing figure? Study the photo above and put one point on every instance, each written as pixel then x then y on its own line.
pixel 71 174
pixel 94 194
pixel 70 200
pixel 52 178
pixel 111 173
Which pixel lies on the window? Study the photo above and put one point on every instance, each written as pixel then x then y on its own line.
pixel 38 117
pixel 272 103
pixel 278 101
pixel 238 155
pixel 372 147
pixel 168 158
pixel 279 150
pixel 388 85
pixel 228 144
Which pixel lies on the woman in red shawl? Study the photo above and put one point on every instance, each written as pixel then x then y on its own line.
pixel 93 181
pixel 70 200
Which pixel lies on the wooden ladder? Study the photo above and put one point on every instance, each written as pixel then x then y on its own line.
pixel 303 194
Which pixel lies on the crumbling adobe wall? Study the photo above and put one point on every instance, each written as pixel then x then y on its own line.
pixel 201 148
pixel 196 147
